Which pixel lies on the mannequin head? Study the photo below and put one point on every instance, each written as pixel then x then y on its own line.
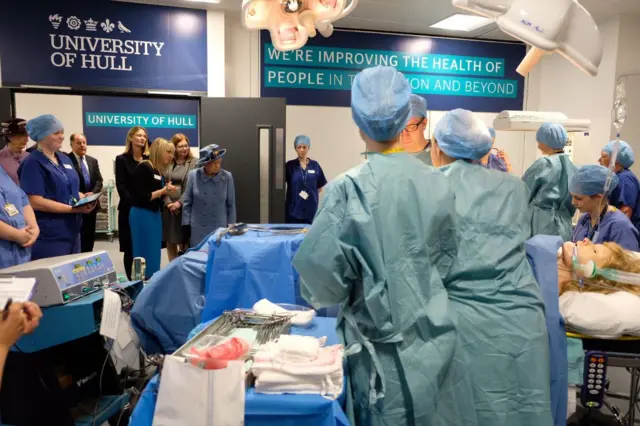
pixel 605 256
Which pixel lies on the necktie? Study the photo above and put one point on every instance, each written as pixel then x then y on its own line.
pixel 85 174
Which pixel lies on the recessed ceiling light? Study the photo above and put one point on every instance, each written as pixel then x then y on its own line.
pixel 459 22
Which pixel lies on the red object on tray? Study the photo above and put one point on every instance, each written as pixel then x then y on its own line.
pixel 217 357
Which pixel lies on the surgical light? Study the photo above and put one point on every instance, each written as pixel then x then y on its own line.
pixel 459 22
pixel 548 26
pixel 292 22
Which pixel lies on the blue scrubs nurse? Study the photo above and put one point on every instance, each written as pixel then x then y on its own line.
pixel 305 180
pixel 52 185
pixel 18 227
pixel 626 196
pixel 600 222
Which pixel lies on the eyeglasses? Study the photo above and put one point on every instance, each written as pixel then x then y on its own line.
pixel 414 127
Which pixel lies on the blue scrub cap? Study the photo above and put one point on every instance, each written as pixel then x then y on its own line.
pixel 625 157
pixel 590 180
pixel 302 140
pixel 492 132
pixel 552 135
pixel 463 136
pixel 210 153
pixel 43 126
pixel 418 106
pixel 380 102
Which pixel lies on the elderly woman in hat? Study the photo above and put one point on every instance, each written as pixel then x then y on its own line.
pixel 209 201
pixel 52 185
pixel 15 134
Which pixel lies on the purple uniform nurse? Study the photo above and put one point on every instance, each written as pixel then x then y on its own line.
pixel 305 180
pixel 496 159
pixel 48 178
pixel 600 222
pixel 626 196
pixel 18 227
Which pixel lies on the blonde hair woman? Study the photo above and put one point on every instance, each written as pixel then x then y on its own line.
pixel 147 190
pixel 136 150
pixel 177 172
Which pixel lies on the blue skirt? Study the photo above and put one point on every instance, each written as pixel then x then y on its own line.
pixel 146 236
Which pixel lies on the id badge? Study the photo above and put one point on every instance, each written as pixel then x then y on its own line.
pixel 304 195
pixel 10 209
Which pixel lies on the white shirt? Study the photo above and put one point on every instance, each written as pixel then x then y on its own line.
pixel 84 161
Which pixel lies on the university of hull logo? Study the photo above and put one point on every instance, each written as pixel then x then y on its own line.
pixel 74 23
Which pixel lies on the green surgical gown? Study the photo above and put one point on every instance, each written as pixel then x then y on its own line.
pixel 500 310
pixel 378 246
pixel 424 156
pixel 550 205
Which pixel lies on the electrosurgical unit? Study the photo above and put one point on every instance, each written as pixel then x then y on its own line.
pixel 61 280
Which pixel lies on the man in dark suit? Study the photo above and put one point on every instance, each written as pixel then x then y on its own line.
pixel 88 171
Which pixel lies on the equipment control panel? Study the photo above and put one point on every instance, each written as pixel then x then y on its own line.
pixel 64 279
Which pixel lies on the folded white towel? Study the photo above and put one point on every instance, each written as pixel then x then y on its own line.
pixel 329 386
pixel 323 375
pixel 300 318
pixel 305 347
pixel 328 361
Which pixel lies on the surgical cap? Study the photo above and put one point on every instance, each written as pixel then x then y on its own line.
pixel 302 140
pixel 380 102
pixel 43 126
pixel 590 180
pixel 552 135
pixel 418 107
pixel 492 132
pixel 625 157
pixel 463 136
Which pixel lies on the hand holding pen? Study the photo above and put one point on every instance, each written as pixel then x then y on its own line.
pixel 28 313
pixel 12 327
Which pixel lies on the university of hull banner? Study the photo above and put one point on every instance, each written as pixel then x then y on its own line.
pixel 476 75
pixel 103 44
pixel 107 119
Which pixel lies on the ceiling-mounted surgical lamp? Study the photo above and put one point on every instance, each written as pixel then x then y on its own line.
pixel 292 22
pixel 548 26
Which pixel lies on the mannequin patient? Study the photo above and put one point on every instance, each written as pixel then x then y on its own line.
pixel 607 255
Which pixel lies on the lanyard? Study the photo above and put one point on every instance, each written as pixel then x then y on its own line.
pixel 72 200
pixel 304 174
pixel 592 232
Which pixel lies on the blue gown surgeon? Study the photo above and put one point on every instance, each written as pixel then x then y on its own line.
pixel 378 246
pixel 18 227
pixel 501 319
pixel 600 222
pixel 413 140
pixel 47 176
pixel 548 182
pixel 305 180
pixel 626 196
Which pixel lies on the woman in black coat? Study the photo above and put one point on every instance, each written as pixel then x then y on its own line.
pixel 136 150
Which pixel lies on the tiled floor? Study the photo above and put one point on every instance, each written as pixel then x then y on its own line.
pixel 114 252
